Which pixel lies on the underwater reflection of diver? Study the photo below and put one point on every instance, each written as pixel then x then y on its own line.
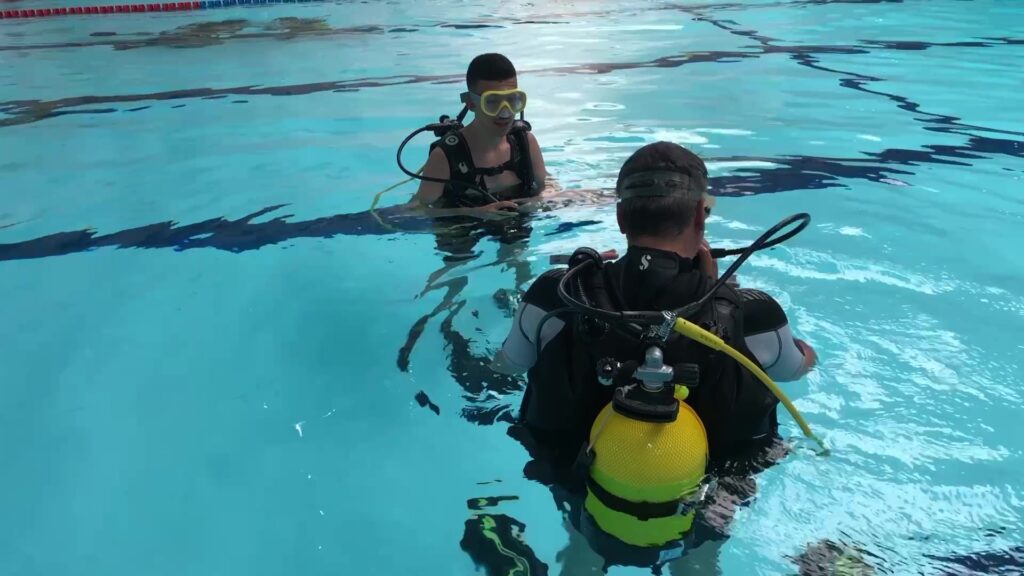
pixel 458 249
pixel 496 542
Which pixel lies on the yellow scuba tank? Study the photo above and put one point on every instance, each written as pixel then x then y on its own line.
pixel 649 455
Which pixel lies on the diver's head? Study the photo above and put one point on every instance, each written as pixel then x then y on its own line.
pixel 493 93
pixel 662 198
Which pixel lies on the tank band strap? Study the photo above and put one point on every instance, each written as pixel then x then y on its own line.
pixel 643 510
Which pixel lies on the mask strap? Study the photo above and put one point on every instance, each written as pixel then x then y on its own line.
pixel 658 183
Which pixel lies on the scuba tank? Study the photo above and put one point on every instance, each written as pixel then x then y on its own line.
pixel 647 456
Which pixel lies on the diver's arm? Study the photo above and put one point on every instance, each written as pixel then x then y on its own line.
pixel 517 354
pixel 783 357
pixel 540 172
pixel 519 351
pixel 429 192
pixel 768 335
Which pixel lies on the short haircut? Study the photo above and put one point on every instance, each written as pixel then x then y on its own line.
pixel 489 67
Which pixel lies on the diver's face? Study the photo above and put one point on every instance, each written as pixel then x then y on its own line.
pixel 502 121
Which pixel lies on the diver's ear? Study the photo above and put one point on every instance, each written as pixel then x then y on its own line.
pixel 709 203
pixel 464 97
pixel 700 216
pixel 618 218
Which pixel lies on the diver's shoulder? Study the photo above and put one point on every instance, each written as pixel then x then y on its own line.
pixel 449 139
pixel 437 152
pixel 548 281
pixel 543 293
pixel 761 311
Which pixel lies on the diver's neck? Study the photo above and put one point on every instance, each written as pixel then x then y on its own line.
pixel 483 136
pixel 683 245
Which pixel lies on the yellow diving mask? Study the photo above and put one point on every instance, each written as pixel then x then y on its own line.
pixel 493 102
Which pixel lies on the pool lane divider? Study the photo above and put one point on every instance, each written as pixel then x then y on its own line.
pixel 136 8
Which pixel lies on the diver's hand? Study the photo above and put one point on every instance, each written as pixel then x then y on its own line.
pixel 708 265
pixel 810 356
pixel 529 205
pixel 497 210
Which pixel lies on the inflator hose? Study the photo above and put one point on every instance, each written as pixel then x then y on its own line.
pixel 419 176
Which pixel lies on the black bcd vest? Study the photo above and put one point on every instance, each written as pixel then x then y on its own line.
pixel 564 396
pixel 463 171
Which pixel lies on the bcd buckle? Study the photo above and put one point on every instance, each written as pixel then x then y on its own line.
pixel 584 460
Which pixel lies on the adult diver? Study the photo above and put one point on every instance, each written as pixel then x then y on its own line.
pixel 651 400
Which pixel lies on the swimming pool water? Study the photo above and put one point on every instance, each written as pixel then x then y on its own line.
pixel 184 390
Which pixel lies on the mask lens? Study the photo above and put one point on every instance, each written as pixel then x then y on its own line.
pixel 492 102
pixel 517 101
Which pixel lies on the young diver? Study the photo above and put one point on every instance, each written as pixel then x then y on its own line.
pixel 480 176
pixel 495 153
pixel 633 512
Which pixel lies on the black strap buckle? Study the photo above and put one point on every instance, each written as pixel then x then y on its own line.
pixel 644 511
pixel 584 460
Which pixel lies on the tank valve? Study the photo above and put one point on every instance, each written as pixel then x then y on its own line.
pixel 653 375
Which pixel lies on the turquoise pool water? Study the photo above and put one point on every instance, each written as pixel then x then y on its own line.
pixel 201 325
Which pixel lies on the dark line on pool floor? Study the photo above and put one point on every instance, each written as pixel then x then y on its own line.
pixel 788 173
pixel 859 82
pixel 27 111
